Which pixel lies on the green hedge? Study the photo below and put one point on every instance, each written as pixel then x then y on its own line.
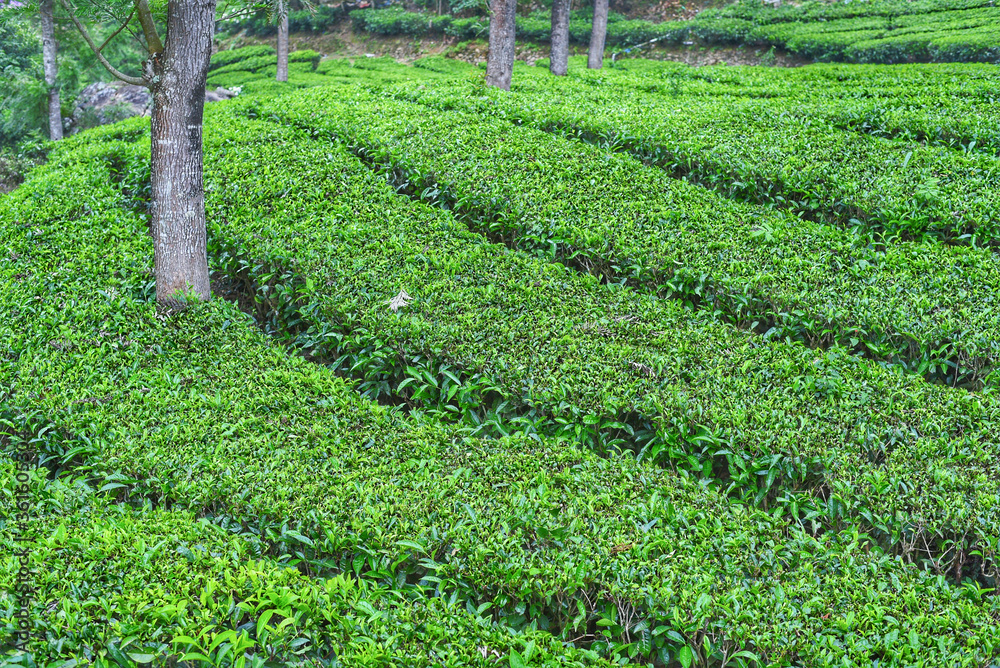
pixel 232 79
pixel 574 354
pixel 818 10
pixel 256 63
pixel 197 409
pixel 948 105
pixel 238 71
pixel 898 39
pixel 320 19
pixel 385 70
pixel 398 22
pixel 971 46
pixel 247 65
pixel 864 32
pixel 232 56
pixel 121 585
pixel 443 65
pixel 928 308
pixel 753 150
pixel 868 32
pixel 305 56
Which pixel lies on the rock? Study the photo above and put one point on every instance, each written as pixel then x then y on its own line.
pixel 220 94
pixel 101 103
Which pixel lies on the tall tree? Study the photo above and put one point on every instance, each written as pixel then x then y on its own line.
pixel 282 8
pixel 559 57
pixel 500 59
pixel 598 33
pixel 50 68
pixel 175 73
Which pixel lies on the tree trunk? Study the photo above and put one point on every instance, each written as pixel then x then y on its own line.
pixel 598 33
pixel 178 198
pixel 51 69
pixel 500 60
pixel 282 42
pixel 559 58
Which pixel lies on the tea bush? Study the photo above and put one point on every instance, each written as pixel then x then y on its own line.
pixel 750 149
pixel 882 31
pixel 779 506
pixel 137 583
pixel 237 66
pixel 231 56
pixel 925 307
pixel 610 367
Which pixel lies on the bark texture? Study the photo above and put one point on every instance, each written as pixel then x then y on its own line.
pixel 559 58
pixel 51 69
pixel 178 198
pixel 598 33
pixel 282 42
pixel 500 60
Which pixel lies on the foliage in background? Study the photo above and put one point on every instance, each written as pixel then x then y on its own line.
pixel 882 31
pixel 23 98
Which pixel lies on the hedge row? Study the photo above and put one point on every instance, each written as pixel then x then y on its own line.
pixel 964 34
pixel 119 585
pixel 299 74
pixel 980 45
pixel 196 409
pixel 386 70
pixel 320 19
pixel 816 10
pixel 928 308
pixel 87 275
pixel 866 32
pixel 256 63
pixel 871 32
pixel 963 81
pixel 249 63
pixel 394 21
pixel 883 188
pixel 948 105
pixel 230 56
pixel 643 373
pixel 965 126
pixel 968 35
pixel 537 27
pixel 908 302
pixel 444 65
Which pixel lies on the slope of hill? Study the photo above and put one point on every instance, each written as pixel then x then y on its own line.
pixel 875 31
pixel 616 368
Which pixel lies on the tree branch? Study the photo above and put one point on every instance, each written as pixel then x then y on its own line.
pixel 153 42
pixel 238 13
pixel 120 28
pixel 135 81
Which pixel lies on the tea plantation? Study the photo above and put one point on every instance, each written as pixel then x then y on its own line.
pixel 860 31
pixel 864 31
pixel 650 365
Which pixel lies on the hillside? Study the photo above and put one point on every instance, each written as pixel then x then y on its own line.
pixel 874 31
pixel 650 365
